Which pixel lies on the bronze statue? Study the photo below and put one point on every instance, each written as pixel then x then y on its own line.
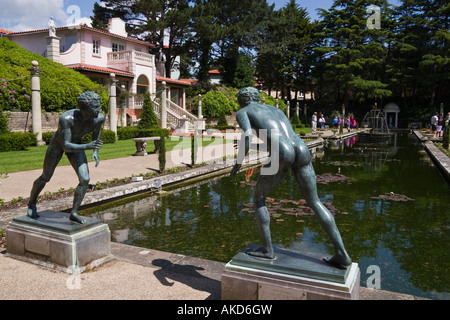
pixel 292 153
pixel 72 127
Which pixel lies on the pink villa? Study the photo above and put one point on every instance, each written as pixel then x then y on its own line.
pixel 97 54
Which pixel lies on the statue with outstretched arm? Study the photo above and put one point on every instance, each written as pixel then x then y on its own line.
pixel 72 127
pixel 271 125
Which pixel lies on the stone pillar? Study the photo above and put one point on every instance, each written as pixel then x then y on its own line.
pixel 288 111
pixel 113 103
pixel 199 115
pixel 36 101
pixel 200 124
pixel 53 48
pixel 164 106
pixel 297 109
pixel 124 108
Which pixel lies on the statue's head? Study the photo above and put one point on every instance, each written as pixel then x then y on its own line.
pixel 248 95
pixel 89 101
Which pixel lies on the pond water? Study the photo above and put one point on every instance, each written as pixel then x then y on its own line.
pixel 390 203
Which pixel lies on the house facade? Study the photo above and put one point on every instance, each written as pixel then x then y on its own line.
pixel 98 54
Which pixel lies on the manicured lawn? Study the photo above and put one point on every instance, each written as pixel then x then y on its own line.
pixel 33 158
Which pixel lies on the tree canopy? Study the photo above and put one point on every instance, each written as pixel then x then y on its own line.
pixel 341 58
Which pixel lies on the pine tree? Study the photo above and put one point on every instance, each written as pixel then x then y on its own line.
pixel 352 55
pixel 148 116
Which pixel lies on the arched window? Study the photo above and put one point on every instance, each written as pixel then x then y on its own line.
pixel 142 84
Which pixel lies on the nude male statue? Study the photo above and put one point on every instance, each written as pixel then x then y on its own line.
pixel 292 153
pixel 72 127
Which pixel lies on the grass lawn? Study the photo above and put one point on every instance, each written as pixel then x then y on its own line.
pixel 33 158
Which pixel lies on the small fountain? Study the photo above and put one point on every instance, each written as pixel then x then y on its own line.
pixel 375 119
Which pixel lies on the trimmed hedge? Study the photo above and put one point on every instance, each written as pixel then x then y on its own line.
pixel 107 136
pixel 17 141
pixel 133 132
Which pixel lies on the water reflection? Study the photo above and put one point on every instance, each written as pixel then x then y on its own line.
pixel 407 240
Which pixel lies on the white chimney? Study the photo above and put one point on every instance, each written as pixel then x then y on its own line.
pixel 117 26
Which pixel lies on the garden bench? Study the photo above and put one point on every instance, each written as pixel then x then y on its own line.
pixel 141 145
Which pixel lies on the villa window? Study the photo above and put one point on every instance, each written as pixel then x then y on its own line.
pixel 96 47
pixel 117 47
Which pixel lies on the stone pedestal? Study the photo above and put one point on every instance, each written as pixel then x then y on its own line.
pixel 291 276
pixel 55 242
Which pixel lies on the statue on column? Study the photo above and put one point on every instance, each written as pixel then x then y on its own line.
pixel 51 28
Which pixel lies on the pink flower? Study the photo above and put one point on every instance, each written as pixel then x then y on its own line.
pixel 13 99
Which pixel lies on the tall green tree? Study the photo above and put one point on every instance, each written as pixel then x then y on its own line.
pixel 158 22
pixel 240 20
pixel 205 32
pixel 353 55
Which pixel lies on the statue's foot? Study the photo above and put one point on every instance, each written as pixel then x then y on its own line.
pixel 262 253
pixel 75 217
pixel 32 211
pixel 339 261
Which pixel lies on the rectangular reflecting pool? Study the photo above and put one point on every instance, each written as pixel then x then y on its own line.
pixel 390 203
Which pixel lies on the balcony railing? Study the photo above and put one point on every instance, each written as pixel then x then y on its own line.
pixel 130 56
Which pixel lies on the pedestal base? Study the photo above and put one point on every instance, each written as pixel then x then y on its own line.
pixel 55 242
pixel 291 276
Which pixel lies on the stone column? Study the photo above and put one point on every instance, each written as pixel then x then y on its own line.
pixel 200 124
pixel 53 48
pixel 164 106
pixel 36 101
pixel 288 111
pixel 199 115
pixel 124 108
pixel 113 103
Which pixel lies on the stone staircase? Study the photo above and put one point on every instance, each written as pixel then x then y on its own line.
pixel 177 117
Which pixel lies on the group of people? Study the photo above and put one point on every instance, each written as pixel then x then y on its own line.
pixel 439 123
pixel 319 122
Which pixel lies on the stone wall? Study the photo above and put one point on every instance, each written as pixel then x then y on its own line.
pixel 22 121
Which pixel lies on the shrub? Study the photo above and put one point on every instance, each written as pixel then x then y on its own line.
pixel 60 86
pixel 47 136
pixel 162 153
pixel 133 132
pixel 148 116
pixel 3 122
pixel 16 141
pixel 222 121
pixel 125 133
pixel 107 136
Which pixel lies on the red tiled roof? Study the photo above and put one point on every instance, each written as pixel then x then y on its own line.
pixel 5 31
pixel 214 71
pixel 87 28
pixel 83 66
pixel 183 82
